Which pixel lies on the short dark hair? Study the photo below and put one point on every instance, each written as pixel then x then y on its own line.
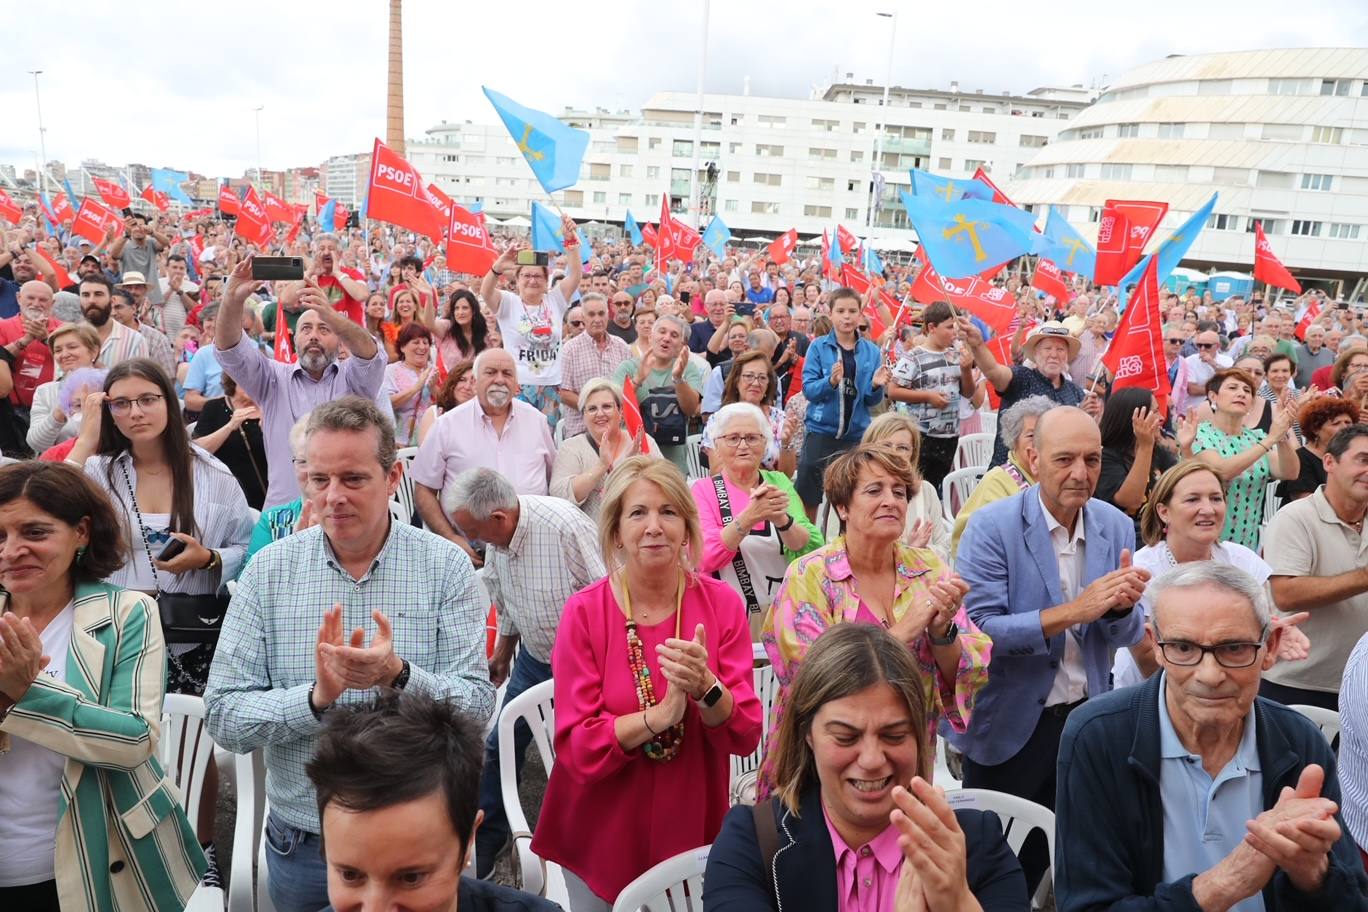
pixel 413 261
pixel 67 493
pixel 1340 443
pixel 845 291
pixel 175 258
pixel 410 331
pixel 136 216
pixel 122 293
pixel 402 747
pixel 1275 358
pixel 1213 385
pixel 937 312
pixel 96 278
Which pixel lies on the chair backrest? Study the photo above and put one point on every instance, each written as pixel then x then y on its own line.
pixel 694 456
pixel 957 486
pixel 536 707
pixel 767 689
pixel 1327 720
pixel 1271 501
pixel 988 421
pixel 247 886
pixel 404 493
pixel 401 515
pixel 674 885
pixel 974 450
pixel 186 750
pixel 1019 816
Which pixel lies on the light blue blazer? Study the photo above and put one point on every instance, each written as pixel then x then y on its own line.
pixel 1006 557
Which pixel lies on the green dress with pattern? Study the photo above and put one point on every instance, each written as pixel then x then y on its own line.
pixel 1245 495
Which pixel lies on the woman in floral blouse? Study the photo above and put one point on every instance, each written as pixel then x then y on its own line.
pixel 868 576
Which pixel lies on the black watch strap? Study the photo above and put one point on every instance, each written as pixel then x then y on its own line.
pixel 401 680
pixel 714 694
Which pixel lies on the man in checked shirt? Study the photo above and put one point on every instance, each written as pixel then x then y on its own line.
pixel 542 550
pixel 285 655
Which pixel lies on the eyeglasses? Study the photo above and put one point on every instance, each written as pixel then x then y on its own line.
pixel 755 378
pixel 732 441
pixel 1227 655
pixel 1174 341
pixel 145 403
pixel 1205 345
pixel 576 322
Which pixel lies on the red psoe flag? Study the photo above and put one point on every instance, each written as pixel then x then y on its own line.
pixel 320 200
pixel 277 210
pixel 397 194
pixel 156 198
pixel 284 341
pixel 443 204
pixel 10 211
pixel 991 304
pixel 253 225
pixel 228 202
pixel 1136 355
pixel 112 193
pixel 1049 279
pixel 1307 318
pixel 468 248
pixel 61 208
pixel 63 277
pixel 94 219
pixel 1268 268
pixel 781 248
pixel 648 235
pixel 685 240
pixel 1122 233
pixel 631 412
pixel 846 238
pixel 853 278
pixel 665 236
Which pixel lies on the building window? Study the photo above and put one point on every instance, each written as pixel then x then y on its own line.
pixel 857 155
pixel 627 144
pixel 1270 226
pixel 943 164
pixel 624 170
pixel 1306 228
pixel 947 134
pixel 652 172
pixel 573 198
pixel 821 183
pixel 852 215
pixel 1221 222
pixel 1127 130
pixel 504 160
pixel 600 171
pixel 1171 174
pixel 733 148
pixel 859 127
pixel 1090 133
pixel 710 151
pixel 1331 135
pixel 624 199
pixel 600 196
pixel 829 126
pixel 1047 173
pixel 982 137
pixel 1335 86
pixel 1171 131
pixel 1116 172
pixel 939 106
pixel 729 205
pixel 822 153
pixel 1285 86
pixel 760 207
pixel 1074 170
pixel 1281 132
pixel 1317 181
pixel 972 164
pixel 817 211
pixel 733 177
pixel 1215 86
pixel 1033 142
pixel 769 180
pixel 682 148
pixel 1239 176
pixel 1226 131
pixel 653 142
pixel 771 120
pixel 1344 231
pixel 1274 180
pixel 652 200
pixel 768 151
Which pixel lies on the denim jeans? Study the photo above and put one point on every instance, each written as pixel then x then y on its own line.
pixel 297 876
pixel 494 832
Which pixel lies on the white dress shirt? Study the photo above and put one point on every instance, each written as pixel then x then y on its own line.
pixel 1071 678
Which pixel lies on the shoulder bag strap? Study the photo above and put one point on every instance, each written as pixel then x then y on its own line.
pixel 767 837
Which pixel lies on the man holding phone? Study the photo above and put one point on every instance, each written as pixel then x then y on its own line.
pixel 136 251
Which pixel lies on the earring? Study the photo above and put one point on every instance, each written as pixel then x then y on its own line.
pixel 80 553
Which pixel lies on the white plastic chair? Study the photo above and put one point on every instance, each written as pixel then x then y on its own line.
pixel 674 885
pixel 1019 818
pixel 185 751
pixel 247 880
pixel 974 450
pixel 403 495
pixel 956 488
pixel 536 707
pixel 745 770
pixel 400 514
pixel 694 456
pixel 1327 720
pixel 988 421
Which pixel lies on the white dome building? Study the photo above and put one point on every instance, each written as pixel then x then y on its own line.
pixel 1282 135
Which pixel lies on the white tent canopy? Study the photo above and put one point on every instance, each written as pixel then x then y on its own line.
pixel 518 221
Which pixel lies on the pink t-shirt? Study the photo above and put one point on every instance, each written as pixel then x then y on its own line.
pixel 867 877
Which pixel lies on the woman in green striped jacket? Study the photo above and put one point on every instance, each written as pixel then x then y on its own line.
pixel 88 819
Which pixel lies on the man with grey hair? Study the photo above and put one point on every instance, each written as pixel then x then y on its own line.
pixel 593 353
pixel 278 670
pixel 1017 425
pixel 710 334
pixel 668 387
pixel 282 391
pixel 542 550
pixel 1214 797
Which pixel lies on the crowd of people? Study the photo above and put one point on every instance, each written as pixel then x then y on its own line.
pixel 651 481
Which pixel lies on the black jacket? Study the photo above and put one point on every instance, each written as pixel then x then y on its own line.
pixel 805 864
pixel 1109 819
pixel 483 896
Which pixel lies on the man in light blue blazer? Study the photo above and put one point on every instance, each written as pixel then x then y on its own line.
pixel 1050 580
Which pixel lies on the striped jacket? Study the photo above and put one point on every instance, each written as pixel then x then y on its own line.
pixel 123 841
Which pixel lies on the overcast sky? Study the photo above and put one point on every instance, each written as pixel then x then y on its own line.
pixel 174 85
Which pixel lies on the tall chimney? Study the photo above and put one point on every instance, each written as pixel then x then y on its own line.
pixel 394 102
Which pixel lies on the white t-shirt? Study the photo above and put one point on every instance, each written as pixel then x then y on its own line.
pixel 31 783
pixel 142 578
pixel 1158 561
pixel 532 335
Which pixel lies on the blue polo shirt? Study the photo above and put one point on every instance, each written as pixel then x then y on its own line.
pixel 1204 819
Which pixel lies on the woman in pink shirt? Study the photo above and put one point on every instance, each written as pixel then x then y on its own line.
pixel 856 825
pixel 653 672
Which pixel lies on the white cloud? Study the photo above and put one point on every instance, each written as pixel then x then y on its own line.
pixel 175 85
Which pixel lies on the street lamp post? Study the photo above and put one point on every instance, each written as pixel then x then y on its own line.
pixel 883 123
pixel 258 110
pixel 694 182
pixel 42 131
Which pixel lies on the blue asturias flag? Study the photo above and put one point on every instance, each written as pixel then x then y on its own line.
pixel 548 235
pixel 716 236
pixel 1170 252
pixel 327 219
pixel 72 198
pixel 924 183
pixel 169 182
pixel 1066 248
pixel 634 229
pixel 873 265
pixel 969 236
pixel 553 150
pixel 834 255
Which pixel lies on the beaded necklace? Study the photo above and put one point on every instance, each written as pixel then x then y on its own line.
pixel 665 745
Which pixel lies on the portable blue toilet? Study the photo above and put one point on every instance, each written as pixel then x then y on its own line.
pixel 1180 280
pixel 1224 284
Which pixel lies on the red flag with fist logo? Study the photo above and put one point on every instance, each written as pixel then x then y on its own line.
pixel 398 195
pixel 1136 355
pixel 782 246
pixel 1267 268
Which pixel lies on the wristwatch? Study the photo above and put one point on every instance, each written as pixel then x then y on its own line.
pixel 402 678
pixel 215 561
pixel 786 526
pixel 950 633
pixel 714 694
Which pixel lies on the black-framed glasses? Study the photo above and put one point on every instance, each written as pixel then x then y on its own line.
pixel 1227 655
pixel 1174 341
pixel 1205 345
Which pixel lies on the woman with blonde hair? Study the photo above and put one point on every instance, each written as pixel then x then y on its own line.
pixel 653 687
pixel 855 822
pixel 584 461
